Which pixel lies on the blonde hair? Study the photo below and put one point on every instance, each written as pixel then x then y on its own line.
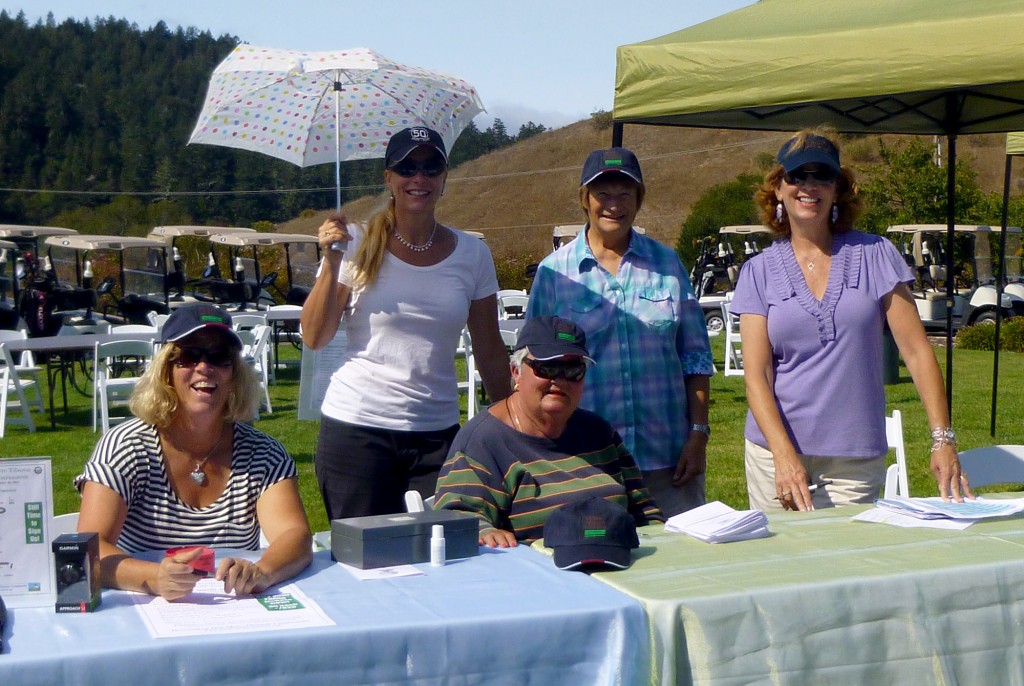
pixel 370 254
pixel 847 198
pixel 154 400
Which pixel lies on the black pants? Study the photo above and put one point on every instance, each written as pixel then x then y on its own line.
pixel 364 471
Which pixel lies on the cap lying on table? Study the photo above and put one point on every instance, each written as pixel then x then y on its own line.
pixel 591 533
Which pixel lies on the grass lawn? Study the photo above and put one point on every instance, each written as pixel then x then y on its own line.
pixel 71 443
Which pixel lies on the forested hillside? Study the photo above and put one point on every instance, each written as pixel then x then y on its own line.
pixel 94 120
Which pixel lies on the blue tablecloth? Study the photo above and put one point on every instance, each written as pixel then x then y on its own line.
pixel 501 618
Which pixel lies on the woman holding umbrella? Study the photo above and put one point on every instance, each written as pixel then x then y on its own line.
pixel 406 286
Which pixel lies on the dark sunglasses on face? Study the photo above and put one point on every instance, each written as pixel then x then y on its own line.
pixel 555 369
pixel 435 166
pixel 799 176
pixel 216 357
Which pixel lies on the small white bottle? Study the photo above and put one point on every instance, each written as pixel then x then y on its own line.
pixel 437 545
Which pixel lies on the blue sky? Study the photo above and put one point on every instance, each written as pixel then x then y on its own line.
pixel 547 61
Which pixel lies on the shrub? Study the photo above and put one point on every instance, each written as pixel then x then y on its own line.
pixel 983 336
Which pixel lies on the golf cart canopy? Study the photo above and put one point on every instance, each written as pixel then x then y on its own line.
pixel 243 240
pixel 744 229
pixel 169 233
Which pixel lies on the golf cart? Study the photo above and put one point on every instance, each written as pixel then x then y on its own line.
pixel 974 300
pixel 8 285
pixel 249 254
pixel 717 268
pixel 190 248
pixel 28 242
pixel 134 267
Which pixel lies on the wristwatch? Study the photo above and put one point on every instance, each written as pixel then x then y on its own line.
pixel 703 428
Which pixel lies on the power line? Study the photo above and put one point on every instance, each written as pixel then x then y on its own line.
pixel 373 187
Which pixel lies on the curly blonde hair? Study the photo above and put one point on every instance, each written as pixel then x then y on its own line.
pixel 154 400
pixel 847 199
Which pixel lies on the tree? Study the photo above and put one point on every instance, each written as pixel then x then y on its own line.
pixel 908 188
pixel 721 205
pixel 528 130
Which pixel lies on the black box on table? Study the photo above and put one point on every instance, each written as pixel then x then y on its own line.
pixel 77 569
pixel 401 538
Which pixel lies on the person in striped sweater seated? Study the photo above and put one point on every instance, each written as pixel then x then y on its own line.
pixel 535 451
pixel 188 471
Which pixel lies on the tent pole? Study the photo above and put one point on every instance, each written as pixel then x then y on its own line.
pixel 617 134
pixel 1000 281
pixel 337 141
pixel 950 278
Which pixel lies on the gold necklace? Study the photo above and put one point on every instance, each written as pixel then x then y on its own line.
pixel 197 473
pixel 423 247
pixel 512 413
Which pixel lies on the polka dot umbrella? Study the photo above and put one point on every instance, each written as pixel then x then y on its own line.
pixel 313 108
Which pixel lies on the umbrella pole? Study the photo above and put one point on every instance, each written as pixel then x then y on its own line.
pixel 1000 281
pixel 337 141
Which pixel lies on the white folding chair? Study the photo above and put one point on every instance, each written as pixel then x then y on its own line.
pixel 255 351
pixel 414 502
pixel 144 329
pixel 247 322
pixel 110 389
pixel 509 338
pixel 993 464
pixel 896 482
pixel 733 353
pixel 472 383
pixel 11 384
pixel 513 305
pixel 26 365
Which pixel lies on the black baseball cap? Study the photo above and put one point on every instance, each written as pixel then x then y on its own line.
pixel 188 319
pixel 592 532
pixel 612 160
pixel 407 140
pixel 549 338
pixel 815 150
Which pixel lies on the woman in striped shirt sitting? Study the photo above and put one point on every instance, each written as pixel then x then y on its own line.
pixel 188 471
pixel 535 451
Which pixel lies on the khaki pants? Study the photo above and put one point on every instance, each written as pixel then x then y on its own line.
pixel 855 480
pixel 671 499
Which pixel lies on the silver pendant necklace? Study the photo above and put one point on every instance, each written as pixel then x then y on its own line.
pixel 423 247
pixel 197 473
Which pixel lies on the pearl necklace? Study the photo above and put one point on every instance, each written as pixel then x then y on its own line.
pixel 417 248
pixel 197 473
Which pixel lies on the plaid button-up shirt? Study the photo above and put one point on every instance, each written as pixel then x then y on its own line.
pixel 646 331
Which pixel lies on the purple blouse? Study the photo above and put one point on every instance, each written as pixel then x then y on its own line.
pixel 827 354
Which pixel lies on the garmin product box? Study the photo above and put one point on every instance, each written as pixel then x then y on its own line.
pixel 401 538
pixel 77 566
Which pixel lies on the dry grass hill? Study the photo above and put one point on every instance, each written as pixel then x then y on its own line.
pixel 516 195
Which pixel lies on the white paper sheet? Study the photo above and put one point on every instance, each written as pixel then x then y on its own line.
pixel 208 610
pixel 936 508
pixel 877 515
pixel 716 522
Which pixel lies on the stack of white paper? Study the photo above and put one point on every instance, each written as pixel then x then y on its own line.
pixel 936 508
pixel 718 523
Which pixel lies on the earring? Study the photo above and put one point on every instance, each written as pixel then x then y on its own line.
pixel 835 213
pixel 778 213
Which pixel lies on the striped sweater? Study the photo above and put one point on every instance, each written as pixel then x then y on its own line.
pixel 129 460
pixel 513 481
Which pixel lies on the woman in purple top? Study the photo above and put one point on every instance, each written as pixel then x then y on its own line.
pixel 812 308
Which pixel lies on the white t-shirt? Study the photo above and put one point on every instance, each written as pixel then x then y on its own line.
pixel 398 371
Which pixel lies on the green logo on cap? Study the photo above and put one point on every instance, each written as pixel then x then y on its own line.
pixel 614 163
pixel 593 533
pixel 212 318
pixel 567 337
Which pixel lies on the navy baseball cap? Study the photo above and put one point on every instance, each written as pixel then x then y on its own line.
pixel 549 338
pixel 815 150
pixel 592 532
pixel 188 319
pixel 407 140
pixel 617 160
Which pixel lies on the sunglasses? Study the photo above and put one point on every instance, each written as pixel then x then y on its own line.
pixel 433 167
pixel 551 369
pixel 799 176
pixel 215 357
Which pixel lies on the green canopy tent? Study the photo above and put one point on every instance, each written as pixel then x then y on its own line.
pixel 874 66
